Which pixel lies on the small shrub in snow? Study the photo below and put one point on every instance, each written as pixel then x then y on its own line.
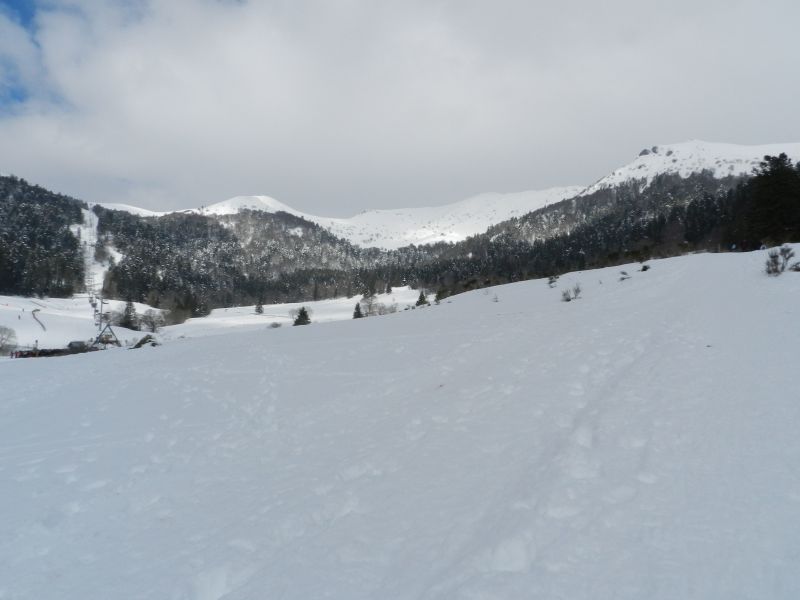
pixel 778 261
pixel 552 280
pixel 645 268
pixel 274 325
pixel 623 275
pixel 787 254
pixel 773 263
pixel 422 300
pixel 573 294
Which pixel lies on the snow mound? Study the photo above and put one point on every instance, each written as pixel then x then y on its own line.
pixel 615 447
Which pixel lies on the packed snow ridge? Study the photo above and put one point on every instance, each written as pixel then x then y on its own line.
pixel 501 445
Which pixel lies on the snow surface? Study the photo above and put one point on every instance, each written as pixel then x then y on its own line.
pixel 639 442
pixel 693 157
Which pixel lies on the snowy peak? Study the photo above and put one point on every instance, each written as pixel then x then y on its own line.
pixel 691 157
pixel 234 205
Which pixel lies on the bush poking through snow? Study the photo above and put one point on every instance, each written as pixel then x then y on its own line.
pixel 645 268
pixel 623 275
pixel 778 261
pixel 773 263
pixel 573 294
pixel 552 280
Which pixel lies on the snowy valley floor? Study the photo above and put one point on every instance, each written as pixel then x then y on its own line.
pixel 640 442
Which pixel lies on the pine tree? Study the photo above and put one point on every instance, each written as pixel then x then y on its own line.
pixel 422 300
pixel 129 319
pixel 302 317
pixel 357 312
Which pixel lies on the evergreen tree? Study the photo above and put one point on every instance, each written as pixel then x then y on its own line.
pixel 357 312
pixel 422 300
pixel 775 216
pixel 302 317
pixel 129 319
pixel 259 307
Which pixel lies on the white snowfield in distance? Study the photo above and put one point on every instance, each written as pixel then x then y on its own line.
pixel 638 442
pixel 62 320
pixel 392 229
pixel 54 322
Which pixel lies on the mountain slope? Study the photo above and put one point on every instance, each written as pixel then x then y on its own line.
pixel 687 158
pixel 392 229
pixel 615 447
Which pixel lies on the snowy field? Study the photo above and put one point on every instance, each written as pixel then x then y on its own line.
pixel 58 321
pixel 639 442
pixel 54 322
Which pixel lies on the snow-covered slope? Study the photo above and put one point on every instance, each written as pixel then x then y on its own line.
pixel 692 157
pixel 54 322
pixel 391 229
pixel 134 210
pixel 616 447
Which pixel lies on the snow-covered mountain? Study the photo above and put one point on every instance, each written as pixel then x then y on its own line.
pixel 617 447
pixel 691 157
pixel 391 229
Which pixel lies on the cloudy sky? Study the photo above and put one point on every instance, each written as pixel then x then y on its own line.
pixel 335 106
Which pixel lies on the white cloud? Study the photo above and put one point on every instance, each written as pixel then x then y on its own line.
pixel 335 107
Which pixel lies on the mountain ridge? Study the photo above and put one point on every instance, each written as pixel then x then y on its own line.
pixel 390 229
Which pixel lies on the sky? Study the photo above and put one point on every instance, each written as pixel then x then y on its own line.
pixel 337 106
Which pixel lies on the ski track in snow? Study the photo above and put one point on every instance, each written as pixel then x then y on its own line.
pixel 640 442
